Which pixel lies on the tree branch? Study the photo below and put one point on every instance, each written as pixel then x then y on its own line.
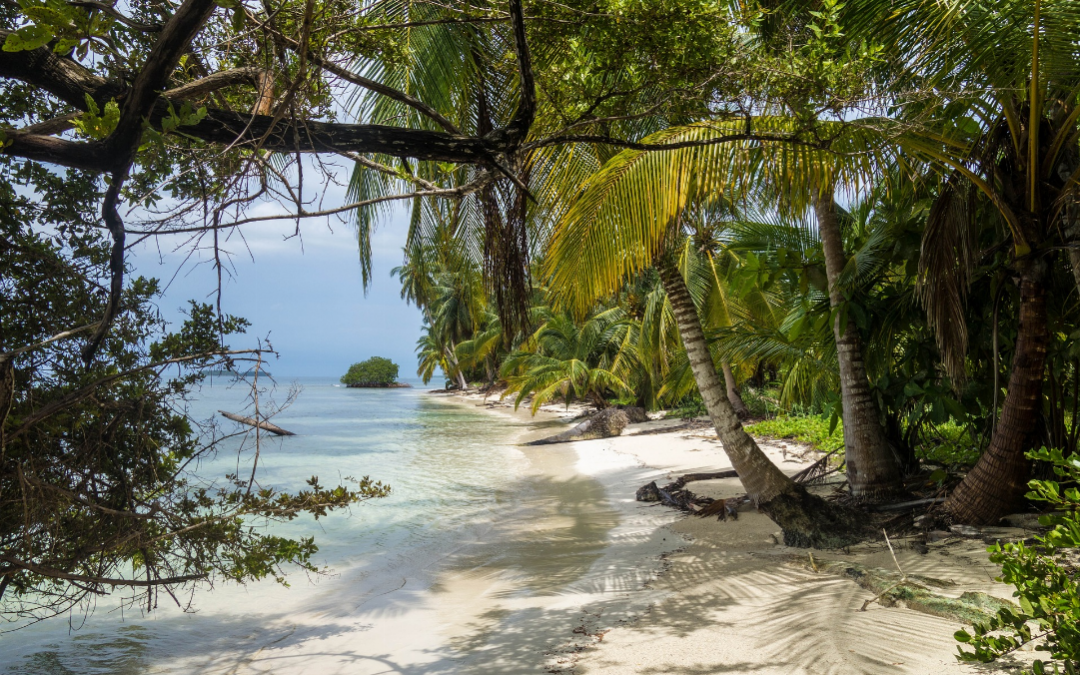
pixel 59 336
pixel 679 145
pixel 444 193
pixel 74 397
pixel 116 266
pixel 377 87
pixel 214 82
pixel 146 90
pixel 57 574
pixel 514 132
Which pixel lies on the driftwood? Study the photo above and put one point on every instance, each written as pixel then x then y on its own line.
pixel 816 472
pixel 690 477
pixel 692 425
pixel 676 495
pixel 261 424
pixel 607 423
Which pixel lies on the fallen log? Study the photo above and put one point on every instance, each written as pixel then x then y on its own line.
pixel 607 423
pixel 252 422
pixel 690 477
pixel 692 425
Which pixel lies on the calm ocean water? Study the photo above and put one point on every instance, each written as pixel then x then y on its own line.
pixel 449 467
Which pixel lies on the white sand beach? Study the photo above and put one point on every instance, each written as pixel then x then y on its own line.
pixel 559 571
pixel 730 601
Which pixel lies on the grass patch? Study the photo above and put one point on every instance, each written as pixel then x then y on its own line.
pixel 810 429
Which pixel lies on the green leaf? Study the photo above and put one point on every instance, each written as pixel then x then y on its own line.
pixel 911 390
pixel 27 38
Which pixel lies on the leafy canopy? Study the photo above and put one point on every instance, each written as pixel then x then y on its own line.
pixel 376 371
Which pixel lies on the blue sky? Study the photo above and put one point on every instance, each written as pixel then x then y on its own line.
pixel 305 293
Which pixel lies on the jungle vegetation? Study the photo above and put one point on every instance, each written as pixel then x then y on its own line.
pixel 859 209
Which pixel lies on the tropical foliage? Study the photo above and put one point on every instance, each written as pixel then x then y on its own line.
pixel 97 486
pixel 861 211
pixel 375 372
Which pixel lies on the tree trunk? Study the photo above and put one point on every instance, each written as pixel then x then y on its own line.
pixel 806 520
pixel 452 361
pixel 733 396
pixel 998 481
pixel 873 467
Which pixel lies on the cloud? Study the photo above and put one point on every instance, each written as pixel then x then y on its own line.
pixel 304 292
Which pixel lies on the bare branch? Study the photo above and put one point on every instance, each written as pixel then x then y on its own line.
pixel 59 336
pixel 212 83
pixel 57 574
pixel 444 193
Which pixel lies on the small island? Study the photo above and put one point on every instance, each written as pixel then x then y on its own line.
pixel 376 372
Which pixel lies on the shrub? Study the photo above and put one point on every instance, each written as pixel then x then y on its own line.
pixel 689 407
pixel 375 372
pixel 810 429
pixel 1045 579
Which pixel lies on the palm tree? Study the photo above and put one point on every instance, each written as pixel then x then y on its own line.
pixel 873 465
pixel 446 288
pixel 994 105
pixel 635 197
pixel 571 360
pixel 629 218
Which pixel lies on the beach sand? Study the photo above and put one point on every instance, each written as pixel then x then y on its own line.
pixel 734 604
pixel 579 578
pixel 730 599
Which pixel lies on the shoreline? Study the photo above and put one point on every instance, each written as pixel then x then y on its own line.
pixel 727 598
pixel 619 585
pixel 557 569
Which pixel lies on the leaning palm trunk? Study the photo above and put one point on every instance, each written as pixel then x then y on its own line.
pixel 733 397
pixel 998 481
pixel 873 467
pixel 805 519
pixel 452 361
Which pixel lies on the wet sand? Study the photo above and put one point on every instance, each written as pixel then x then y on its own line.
pixel 521 592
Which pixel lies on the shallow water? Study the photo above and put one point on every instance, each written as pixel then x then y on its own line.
pixel 478 561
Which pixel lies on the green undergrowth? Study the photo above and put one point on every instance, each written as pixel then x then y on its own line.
pixel 810 429
pixel 950 444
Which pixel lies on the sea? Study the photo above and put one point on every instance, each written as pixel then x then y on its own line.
pixel 487 557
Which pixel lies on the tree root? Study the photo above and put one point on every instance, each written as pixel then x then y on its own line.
pixel 808 521
pixel 676 496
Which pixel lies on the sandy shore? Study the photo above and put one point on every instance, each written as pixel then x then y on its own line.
pixel 561 572
pixel 730 601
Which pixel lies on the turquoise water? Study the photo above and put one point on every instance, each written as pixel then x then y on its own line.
pixel 482 560
pixel 447 467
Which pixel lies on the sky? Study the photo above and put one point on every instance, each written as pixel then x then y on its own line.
pixel 304 293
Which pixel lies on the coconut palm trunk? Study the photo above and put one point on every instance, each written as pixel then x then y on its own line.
pixel 873 467
pixel 733 396
pixel 451 359
pixel 998 481
pixel 805 519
